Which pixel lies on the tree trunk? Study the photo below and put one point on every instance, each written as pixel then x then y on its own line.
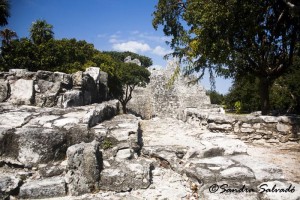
pixel 124 109
pixel 264 86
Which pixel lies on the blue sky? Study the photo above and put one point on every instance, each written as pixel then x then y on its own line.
pixel 119 25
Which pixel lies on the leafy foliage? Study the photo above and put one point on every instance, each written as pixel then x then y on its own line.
pixel 7 35
pixel 4 12
pixel 43 52
pixel 41 32
pixel 215 97
pixel 127 77
pixel 284 94
pixel 233 38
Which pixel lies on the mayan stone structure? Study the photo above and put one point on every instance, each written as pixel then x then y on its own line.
pixel 163 100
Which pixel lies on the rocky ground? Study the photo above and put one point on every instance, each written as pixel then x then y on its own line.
pixel 130 158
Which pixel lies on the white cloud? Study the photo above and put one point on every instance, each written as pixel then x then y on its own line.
pixel 101 35
pixel 132 46
pixel 158 50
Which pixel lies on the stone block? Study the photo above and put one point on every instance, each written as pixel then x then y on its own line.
pixel 84 167
pixel 4 90
pixel 22 92
pixel 45 188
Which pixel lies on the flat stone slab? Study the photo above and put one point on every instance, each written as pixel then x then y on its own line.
pixel 46 188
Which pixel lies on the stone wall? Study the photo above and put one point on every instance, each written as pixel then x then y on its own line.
pixel 159 99
pixel 49 89
pixel 269 129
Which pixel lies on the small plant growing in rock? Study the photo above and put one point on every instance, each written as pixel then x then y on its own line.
pixel 107 144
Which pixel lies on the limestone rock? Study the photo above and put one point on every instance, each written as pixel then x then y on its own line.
pixel 36 145
pixel 132 175
pixel 84 167
pixel 103 86
pixel 94 72
pixel 135 61
pixel 4 90
pixel 239 173
pixel 22 92
pixel 77 79
pixel 283 128
pixel 219 127
pixel 45 188
pixel 8 184
pixel 71 98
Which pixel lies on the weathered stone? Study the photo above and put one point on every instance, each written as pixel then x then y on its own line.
pixel 247 130
pixel 14 119
pixel 89 88
pixel 200 175
pixel 71 98
pixel 220 119
pixel 219 127
pixel 4 90
pixel 36 145
pixel 47 94
pixel 283 128
pixel 94 72
pixel 124 154
pixel 157 99
pixel 103 86
pixel 237 173
pixel 8 184
pixel 19 72
pixel 135 61
pixel 84 167
pixel 77 79
pixel 132 175
pixel 22 92
pixel 50 170
pixel 261 169
pixel 63 78
pixel 44 75
pixel 269 119
pixel 45 188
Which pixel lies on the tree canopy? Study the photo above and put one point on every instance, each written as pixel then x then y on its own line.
pixel 4 12
pixel 41 31
pixel 127 77
pixel 233 38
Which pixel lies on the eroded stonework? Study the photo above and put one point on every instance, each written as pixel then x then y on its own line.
pixel 167 100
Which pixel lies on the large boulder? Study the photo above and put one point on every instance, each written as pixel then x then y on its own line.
pixel 22 92
pixel 125 176
pixel 84 167
pixel 32 146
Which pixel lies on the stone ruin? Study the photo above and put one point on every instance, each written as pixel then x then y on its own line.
pixel 59 141
pixel 160 99
pixel 49 89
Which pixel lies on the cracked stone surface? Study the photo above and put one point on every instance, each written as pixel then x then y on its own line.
pixel 129 158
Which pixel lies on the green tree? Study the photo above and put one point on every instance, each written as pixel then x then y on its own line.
pixel 127 77
pixel 21 54
pixel 215 97
pixel 232 37
pixel 7 35
pixel 41 31
pixel 4 12
pixel 244 90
